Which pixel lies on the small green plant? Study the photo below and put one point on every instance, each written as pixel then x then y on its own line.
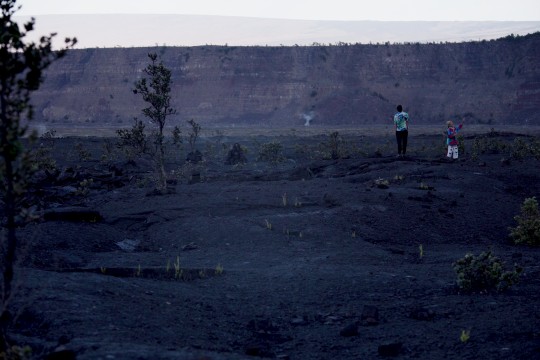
pixel 461 144
pixel 109 153
pixel 268 224
pixel 84 187
pixel 420 251
pixel 177 269
pixel 382 183
pixel 83 154
pixel 483 273
pixel 335 146
pixel 103 269
pixel 177 137
pixel 48 138
pixel 194 134
pixel 528 229
pixel 520 149
pixel 219 269
pixel 271 152
pixel 465 336
pixel 133 141
pixel 138 271
pixel 142 182
pixel 17 353
pixel 487 144
pixel 41 155
pixel 424 186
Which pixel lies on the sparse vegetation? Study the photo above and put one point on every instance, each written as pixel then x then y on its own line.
pixel 84 187
pixel 271 152
pixel 177 141
pixel 219 269
pixel 424 186
pixel 483 273
pixel 465 336
pixel 520 149
pixel 157 93
pixel 461 144
pixel 133 141
pixel 22 68
pixel 191 171
pixel 527 232
pixel 17 353
pixel 42 153
pixel 177 269
pixel 193 134
pixel 382 183
pixel 335 145
pixel 194 155
pixel 82 153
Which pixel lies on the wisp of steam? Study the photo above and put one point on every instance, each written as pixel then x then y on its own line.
pixel 308 118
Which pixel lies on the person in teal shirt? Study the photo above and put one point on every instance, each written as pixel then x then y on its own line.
pixel 401 120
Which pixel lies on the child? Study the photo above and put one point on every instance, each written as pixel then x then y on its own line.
pixel 451 139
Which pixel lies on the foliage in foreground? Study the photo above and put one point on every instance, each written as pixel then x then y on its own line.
pixel 22 67
pixel 528 229
pixel 484 272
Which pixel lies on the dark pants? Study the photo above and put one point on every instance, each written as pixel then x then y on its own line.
pixel 401 137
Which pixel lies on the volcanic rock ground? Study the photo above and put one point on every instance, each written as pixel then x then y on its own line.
pixel 309 258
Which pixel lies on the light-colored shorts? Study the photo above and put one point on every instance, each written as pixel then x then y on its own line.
pixel 452 151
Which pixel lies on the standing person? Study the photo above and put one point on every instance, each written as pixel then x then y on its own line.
pixel 401 120
pixel 451 139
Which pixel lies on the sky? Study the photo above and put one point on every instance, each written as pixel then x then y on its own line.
pixel 128 23
pixel 342 10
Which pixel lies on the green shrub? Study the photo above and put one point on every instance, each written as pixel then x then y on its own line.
pixel 194 134
pixel 133 141
pixel 41 155
pixel 82 153
pixel 335 146
pixel 177 137
pixel 520 149
pixel 484 272
pixel 271 152
pixel 461 144
pixel 528 229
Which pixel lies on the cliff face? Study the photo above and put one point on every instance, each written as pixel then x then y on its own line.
pixel 490 82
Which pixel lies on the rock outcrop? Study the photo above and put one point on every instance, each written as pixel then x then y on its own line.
pixel 486 82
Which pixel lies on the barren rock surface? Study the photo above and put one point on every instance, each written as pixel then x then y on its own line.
pixel 305 259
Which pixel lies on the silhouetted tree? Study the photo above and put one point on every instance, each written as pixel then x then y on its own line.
pixel 157 93
pixel 21 72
